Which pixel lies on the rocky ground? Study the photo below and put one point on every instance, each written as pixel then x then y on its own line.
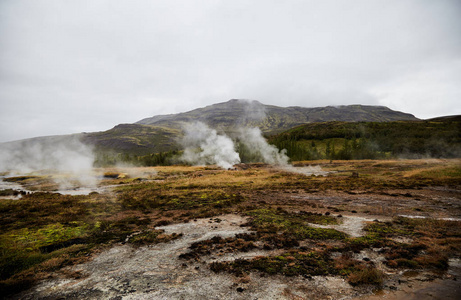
pixel 156 272
pixel 124 270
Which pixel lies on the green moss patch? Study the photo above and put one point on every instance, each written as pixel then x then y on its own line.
pixel 294 224
pixel 306 264
pixel 289 264
pixel 149 197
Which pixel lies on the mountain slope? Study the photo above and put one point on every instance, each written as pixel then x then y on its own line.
pixel 455 118
pixel 161 133
pixel 134 138
pixel 271 119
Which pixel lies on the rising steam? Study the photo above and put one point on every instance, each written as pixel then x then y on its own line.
pixel 203 145
pixel 65 155
pixel 257 145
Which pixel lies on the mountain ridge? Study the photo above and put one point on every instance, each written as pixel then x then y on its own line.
pixel 161 133
pixel 272 119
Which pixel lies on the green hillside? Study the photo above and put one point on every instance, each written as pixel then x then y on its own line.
pixel 134 139
pixel 370 140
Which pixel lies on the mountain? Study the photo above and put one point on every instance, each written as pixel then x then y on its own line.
pixel 455 118
pixel 134 139
pixel 272 119
pixel 160 133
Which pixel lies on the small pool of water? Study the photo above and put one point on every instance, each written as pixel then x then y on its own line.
pixel 4 185
pixel 79 191
pixel 424 217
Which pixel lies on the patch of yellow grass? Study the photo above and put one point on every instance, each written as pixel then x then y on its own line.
pixel 437 169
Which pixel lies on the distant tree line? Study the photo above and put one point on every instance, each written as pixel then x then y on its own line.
pixel 371 140
pixel 334 141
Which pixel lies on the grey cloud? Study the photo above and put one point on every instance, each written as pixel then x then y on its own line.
pixel 99 63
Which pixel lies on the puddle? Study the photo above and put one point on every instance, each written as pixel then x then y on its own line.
pixel 6 185
pixel 82 191
pixel 417 286
pixel 352 225
pixel 425 217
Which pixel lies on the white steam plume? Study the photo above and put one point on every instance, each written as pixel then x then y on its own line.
pixel 255 143
pixel 203 145
pixel 63 154
pixel 258 146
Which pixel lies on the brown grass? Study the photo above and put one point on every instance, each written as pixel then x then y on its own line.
pixel 274 198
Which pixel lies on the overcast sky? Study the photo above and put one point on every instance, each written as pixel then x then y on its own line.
pixel 75 66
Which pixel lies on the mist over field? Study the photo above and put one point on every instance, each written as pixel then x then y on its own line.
pixel 65 155
pixel 217 149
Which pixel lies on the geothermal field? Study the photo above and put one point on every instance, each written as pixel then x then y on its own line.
pixel 369 229
pixel 224 150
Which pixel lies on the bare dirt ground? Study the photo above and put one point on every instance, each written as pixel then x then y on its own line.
pixel 156 272
pixel 125 271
